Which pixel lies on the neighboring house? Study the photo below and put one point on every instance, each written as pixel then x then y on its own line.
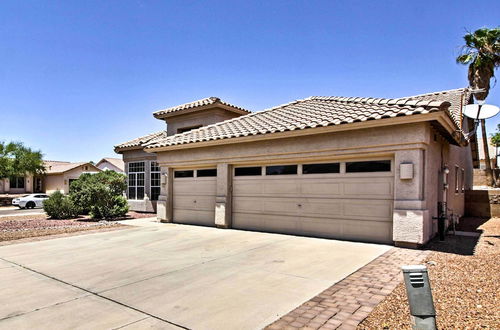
pixel 365 169
pixel 112 164
pixel 492 150
pixel 58 176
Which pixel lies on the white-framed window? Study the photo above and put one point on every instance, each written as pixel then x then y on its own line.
pixel 463 180
pixel 155 181
pixel 136 180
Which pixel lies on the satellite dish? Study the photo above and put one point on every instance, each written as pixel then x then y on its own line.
pixel 487 111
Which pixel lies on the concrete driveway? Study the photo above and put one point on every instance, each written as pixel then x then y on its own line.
pixel 168 276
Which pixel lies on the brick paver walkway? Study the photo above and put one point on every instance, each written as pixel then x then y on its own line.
pixel 348 302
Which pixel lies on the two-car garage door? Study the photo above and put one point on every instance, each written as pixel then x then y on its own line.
pixel 348 200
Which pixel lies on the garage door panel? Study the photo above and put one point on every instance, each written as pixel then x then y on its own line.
pixel 273 223
pixel 321 207
pixel 194 186
pixel 323 188
pixel 381 209
pixel 194 200
pixel 369 189
pixel 197 217
pixel 268 206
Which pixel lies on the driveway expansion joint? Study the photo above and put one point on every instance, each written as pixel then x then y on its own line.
pixel 94 294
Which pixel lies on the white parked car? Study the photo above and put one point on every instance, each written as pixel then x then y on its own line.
pixel 30 201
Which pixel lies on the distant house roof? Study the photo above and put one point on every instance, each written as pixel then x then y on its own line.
pixel 320 111
pixel 56 167
pixel 209 102
pixel 117 162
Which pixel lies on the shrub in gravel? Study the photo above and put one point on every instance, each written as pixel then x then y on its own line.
pixel 100 195
pixel 59 206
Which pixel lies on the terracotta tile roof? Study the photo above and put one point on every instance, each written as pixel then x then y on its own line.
pixel 118 162
pixel 197 104
pixel 140 140
pixel 315 111
pixel 56 167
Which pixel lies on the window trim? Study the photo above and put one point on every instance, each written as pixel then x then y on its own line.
pixel 134 174
pixel 462 175
pixel 154 171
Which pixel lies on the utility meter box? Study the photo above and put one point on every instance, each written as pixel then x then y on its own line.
pixel 419 293
pixel 406 171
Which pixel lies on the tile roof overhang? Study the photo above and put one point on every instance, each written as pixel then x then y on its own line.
pixel 327 114
pixel 138 143
pixel 199 105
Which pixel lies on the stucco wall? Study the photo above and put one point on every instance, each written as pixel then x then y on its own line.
pixel 203 118
pixel 60 182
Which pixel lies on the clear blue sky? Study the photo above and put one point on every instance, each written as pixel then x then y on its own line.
pixel 77 77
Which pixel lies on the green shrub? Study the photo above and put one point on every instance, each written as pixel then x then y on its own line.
pixel 59 206
pixel 100 195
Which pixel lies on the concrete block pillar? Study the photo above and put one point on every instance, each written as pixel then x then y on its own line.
pixel 164 205
pixel 410 215
pixel 223 196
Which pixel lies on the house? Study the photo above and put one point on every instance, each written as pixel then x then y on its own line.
pixel 112 164
pixel 355 168
pixel 58 176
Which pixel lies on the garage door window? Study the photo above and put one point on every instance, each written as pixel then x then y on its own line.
pixel 321 168
pixel 206 172
pixel 136 180
pixel 281 170
pixel 184 174
pixel 248 171
pixel 370 166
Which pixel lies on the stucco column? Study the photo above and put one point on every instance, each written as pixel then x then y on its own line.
pixel 28 183
pixel 223 196
pixel 164 205
pixel 6 185
pixel 410 215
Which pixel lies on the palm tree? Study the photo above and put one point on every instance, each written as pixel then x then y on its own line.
pixel 482 53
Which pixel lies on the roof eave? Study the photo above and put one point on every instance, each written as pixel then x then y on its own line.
pixel 162 115
pixel 437 116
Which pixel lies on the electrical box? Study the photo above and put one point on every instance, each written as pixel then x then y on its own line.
pixel 418 290
pixel 406 171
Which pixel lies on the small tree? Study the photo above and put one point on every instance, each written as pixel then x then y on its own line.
pixel 17 160
pixel 100 195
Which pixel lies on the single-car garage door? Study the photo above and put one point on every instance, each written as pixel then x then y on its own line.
pixel 346 200
pixel 194 196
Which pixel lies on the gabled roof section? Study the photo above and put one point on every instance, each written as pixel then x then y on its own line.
pixel 312 112
pixel 119 163
pixel 57 167
pixel 206 103
pixel 138 142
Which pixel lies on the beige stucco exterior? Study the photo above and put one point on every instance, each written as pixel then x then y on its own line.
pixel 60 181
pixel 415 200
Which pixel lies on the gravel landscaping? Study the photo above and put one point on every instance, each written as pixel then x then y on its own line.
pixel 28 226
pixel 464 276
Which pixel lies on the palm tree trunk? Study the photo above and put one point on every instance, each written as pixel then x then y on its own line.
pixel 489 172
